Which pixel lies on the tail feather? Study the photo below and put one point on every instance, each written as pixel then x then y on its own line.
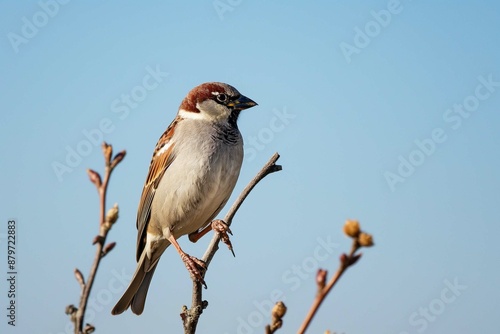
pixel 139 298
pixel 138 288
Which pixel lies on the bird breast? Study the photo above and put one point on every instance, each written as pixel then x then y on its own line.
pixel 200 179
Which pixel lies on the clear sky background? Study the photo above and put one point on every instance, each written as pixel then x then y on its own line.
pixel 384 112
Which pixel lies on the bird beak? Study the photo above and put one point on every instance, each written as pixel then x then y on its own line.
pixel 242 103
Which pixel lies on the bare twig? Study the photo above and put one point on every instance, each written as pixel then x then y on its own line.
pixel 106 221
pixel 359 239
pixel 191 316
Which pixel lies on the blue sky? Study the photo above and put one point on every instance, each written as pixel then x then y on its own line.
pixel 383 111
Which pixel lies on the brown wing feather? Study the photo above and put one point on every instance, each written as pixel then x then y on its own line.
pixel 158 166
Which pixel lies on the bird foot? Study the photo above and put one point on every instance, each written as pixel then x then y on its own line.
pixel 195 266
pixel 221 228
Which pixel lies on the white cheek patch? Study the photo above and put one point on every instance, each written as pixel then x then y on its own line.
pixel 192 115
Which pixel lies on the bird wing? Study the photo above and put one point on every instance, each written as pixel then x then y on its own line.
pixel 162 158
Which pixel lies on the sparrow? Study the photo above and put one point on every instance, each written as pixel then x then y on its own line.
pixel 192 174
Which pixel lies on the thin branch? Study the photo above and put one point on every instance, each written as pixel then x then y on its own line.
pixel 322 295
pixel 359 239
pixel 106 221
pixel 191 316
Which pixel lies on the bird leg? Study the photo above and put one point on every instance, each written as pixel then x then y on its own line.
pixel 195 266
pixel 219 227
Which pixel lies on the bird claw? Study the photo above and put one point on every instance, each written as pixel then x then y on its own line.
pixel 222 229
pixel 196 267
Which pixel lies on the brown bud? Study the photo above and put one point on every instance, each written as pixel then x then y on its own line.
pixel 351 228
pixel 343 259
pixel 365 240
pixel 97 239
pixel 321 278
pixel 108 248
pixel 107 151
pixel 184 313
pixel 94 177
pixel 355 258
pixel 111 217
pixel 70 309
pixel 79 277
pixel 279 310
pixel 119 157
pixel 89 329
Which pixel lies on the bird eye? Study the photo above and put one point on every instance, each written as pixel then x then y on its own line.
pixel 222 97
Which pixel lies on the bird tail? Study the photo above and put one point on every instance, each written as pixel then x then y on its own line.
pixel 136 293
